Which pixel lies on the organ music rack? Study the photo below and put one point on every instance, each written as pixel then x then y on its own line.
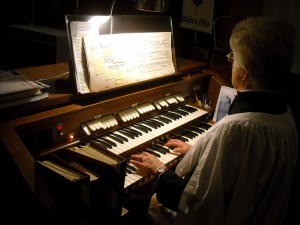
pixel 45 135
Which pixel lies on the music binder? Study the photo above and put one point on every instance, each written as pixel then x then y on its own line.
pixel 94 193
pixel 19 95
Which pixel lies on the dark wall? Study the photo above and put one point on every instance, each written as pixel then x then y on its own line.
pixel 51 13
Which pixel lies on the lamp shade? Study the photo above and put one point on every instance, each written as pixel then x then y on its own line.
pixel 152 5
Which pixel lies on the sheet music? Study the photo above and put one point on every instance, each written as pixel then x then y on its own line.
pixel 224 91
pixel 118 59
pixel 78 31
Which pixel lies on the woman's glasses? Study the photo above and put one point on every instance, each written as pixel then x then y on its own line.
pixel 230 57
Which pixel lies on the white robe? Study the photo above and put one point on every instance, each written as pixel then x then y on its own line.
pixel 245 166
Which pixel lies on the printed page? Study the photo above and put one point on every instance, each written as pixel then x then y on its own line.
pixel 119 59
pixel 224 92
pixel 78 31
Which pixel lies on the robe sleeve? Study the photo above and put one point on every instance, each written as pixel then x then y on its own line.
pixel 170 187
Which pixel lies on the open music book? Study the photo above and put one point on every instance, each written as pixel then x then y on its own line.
pixel 119 59
pixel 110 52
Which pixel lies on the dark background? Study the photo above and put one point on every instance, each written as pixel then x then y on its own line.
pixel 21 49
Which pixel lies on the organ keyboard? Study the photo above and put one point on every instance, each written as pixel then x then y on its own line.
pixel 155 129
pixel 93 139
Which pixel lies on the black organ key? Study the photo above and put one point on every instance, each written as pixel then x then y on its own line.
pixel 198 128
pixel 175 115
pixel 135 131
pixel 163 119
pixel 131 131
pixel 157 149
pixel 201 126
pixel 145 127
pixel 141 128
pixel 152 152
pixel 159 124
pixel 183 113
pixel 188 133
pixel 100 144
pixel 162 143
pixel 132 168
pixel 109 141
pixel 183 133
pixel 115 138
pixel 162 147
pixel 177 136
pixel 171 116
pixel 205 126
pixel 127 134
pixel 120 137
pixel 150 124
pixel 195 129
pixel 188 108
pixel 103 143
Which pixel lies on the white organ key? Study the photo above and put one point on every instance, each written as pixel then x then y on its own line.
pixel 135 113
pixel 151 107
pixel 122 115
pixel 157 105
pixel 171 100
pixel 113 120
pixel 162 102
pixel 128 116
pixel 85 128
pixel 140 110
pixel 179 97
pixel 110 121
pixel 90 125
pixel 101 124
pixel 145 108
pixel 96 124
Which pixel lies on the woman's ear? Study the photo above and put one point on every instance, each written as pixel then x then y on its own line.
pixel 245 79
pixel 244 75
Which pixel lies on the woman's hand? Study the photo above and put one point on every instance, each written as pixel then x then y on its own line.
pixel 178 146
pixel 146 163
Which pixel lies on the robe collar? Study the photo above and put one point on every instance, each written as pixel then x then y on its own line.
pixel 258 101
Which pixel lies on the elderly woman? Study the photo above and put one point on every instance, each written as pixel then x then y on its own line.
pixel 241 170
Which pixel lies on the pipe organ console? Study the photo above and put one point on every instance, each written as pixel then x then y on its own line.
pixel 75 157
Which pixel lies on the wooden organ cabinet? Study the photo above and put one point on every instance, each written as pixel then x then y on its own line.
pixel 74 154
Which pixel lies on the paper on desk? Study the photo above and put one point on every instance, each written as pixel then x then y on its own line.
pixel 14 82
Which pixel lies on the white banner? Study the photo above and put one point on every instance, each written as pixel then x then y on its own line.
pixel 198 15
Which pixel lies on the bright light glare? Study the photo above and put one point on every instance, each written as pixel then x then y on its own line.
pixel 99 20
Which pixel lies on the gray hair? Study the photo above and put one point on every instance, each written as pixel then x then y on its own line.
pixel 264 47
